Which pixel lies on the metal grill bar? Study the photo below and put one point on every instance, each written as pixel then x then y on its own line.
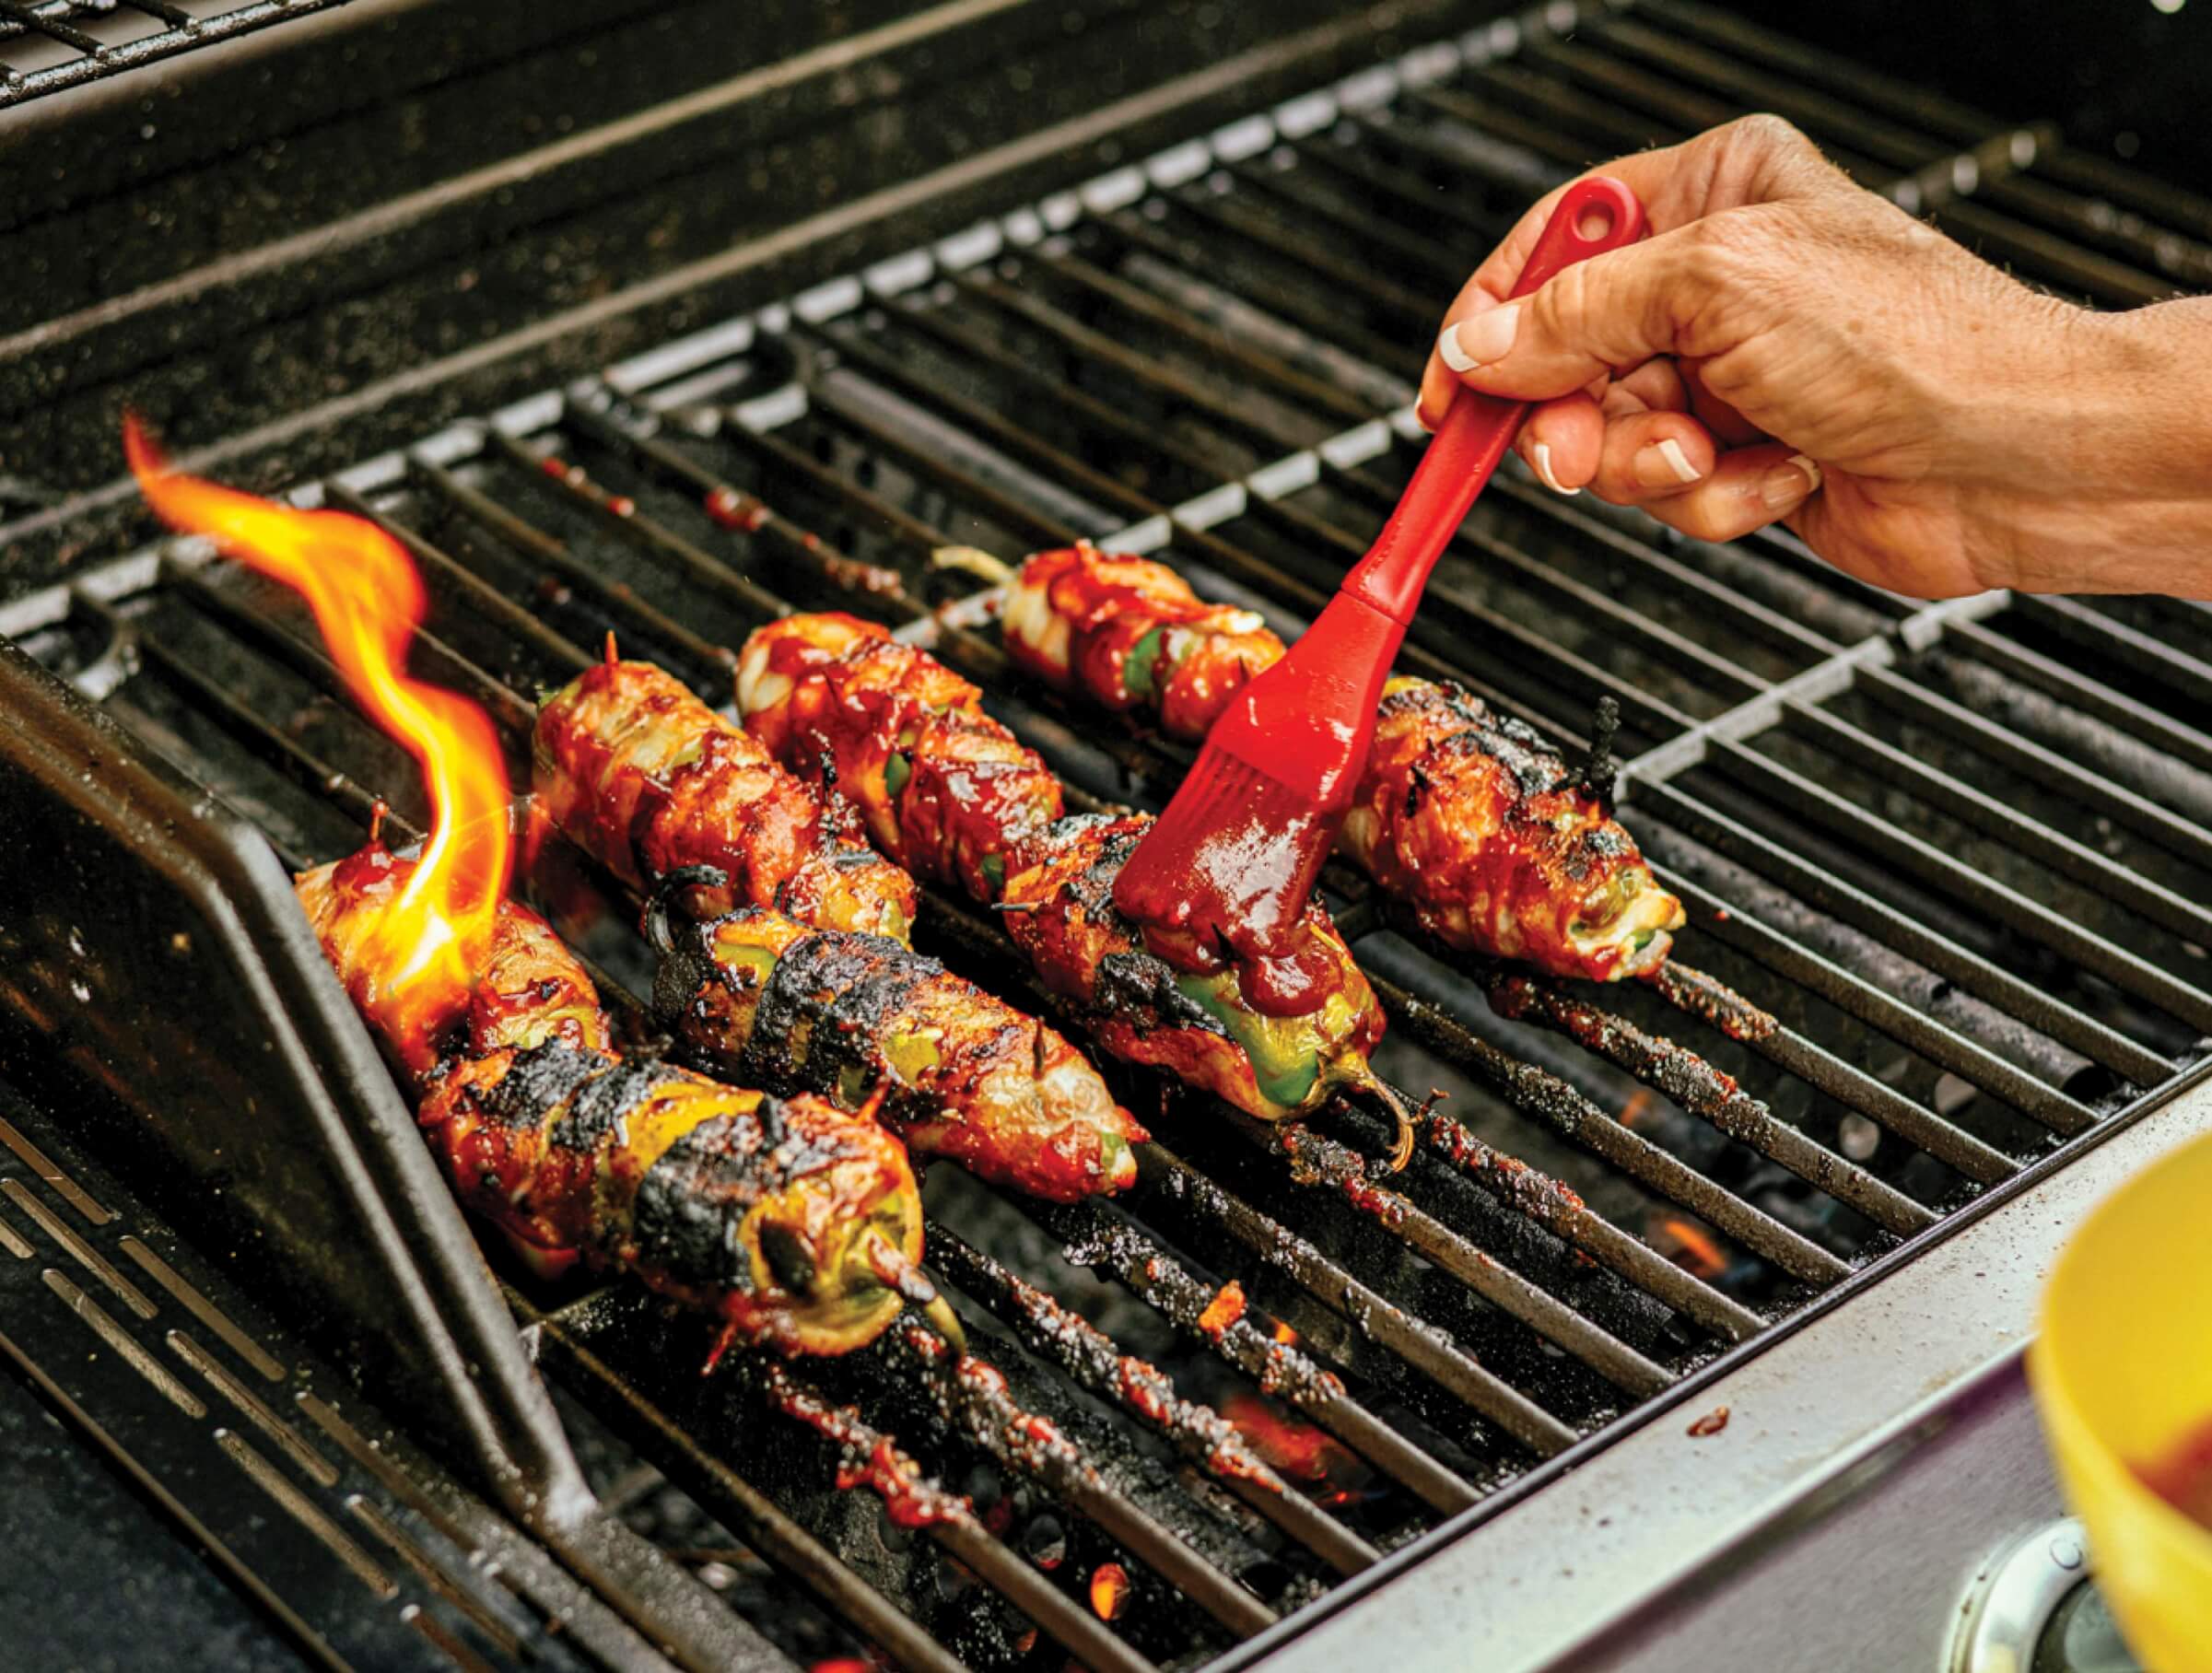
pixel 1221 216
pixel 1833 895
pixel 1096 1236
pixel 1925 861
pixel 1576 1118
pixel 2140 814
pixel 1273 303
pixel 1985 813
pixel 558 650
pixel 509 709
pixel 540 548
pixel 2091 696
pixel 966 1540
pixel 1694 1083
pixel 1314 1156
pixel 977 1397
pixel 1096 1361
pixel 719 579
pixel 1337 1289
pixel 1849 993
pixel 96 59
pixel 2146 656
pixel 746 1511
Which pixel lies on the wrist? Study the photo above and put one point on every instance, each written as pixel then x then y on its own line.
pixel 2099 478
pixel 2155 356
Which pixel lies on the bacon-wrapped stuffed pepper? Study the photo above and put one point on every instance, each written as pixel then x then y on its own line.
pixel 863 1021
pixel 795 1224
pixel 1466 817
pixel 1004 1097
pixel 647 779
pixel 952 796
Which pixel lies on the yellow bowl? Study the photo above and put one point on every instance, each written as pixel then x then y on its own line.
pixel 2122 1373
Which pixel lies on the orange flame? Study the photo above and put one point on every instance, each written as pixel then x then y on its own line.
pixel 1110 1590
pixel 1699 1252
pixel 1294 1449
pixel 367 601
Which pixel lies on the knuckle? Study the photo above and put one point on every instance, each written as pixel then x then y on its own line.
pixel 1562 305
pixel 1765 132
pixel 1714 255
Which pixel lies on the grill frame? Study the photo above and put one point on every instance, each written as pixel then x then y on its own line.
pixel 181 31
pixel 1655 766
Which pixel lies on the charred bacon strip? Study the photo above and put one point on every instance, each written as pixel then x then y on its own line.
pixel 647 779
pixel 796 1224
pixel 1468 818
pixel 865 1022
pixel 952 796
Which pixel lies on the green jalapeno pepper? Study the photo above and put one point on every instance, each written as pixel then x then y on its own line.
pixel 1285 1063
pixel 1138 668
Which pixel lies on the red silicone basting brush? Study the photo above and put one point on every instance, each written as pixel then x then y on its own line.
pixel 1233 858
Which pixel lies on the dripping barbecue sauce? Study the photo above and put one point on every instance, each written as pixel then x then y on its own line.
pixel 1280 970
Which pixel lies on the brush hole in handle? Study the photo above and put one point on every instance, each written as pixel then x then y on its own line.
pixel 1592 217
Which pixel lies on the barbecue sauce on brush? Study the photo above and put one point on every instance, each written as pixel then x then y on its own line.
pixel 1224 911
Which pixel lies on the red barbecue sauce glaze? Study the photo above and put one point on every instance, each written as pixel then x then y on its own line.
pixel 1227 904
pixel 2183 1476
pixel 869 1459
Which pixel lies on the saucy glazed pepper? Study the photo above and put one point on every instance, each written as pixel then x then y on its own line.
pixel 953 795
pixel 795 1224
pixel 1060 910
pixel 646 778
pixel 1468 818
pixel 864 1022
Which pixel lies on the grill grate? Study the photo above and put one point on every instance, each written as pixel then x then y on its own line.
pixel 47 45
pixel 1956 851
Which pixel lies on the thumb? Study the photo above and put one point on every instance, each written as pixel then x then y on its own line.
pixel 1609 313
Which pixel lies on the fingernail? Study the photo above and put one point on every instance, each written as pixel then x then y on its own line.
pixel 1790 484
pixel 1479 340
pixel 1543 450
pixel 1663 464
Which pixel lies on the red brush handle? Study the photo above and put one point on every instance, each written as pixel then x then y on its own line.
pixel 1595 215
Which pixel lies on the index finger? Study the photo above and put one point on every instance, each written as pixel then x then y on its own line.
pixel 1752 159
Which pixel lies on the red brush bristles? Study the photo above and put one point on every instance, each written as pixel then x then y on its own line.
pixel 1230 864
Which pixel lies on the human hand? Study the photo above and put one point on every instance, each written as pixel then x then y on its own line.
pixel 1789 347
